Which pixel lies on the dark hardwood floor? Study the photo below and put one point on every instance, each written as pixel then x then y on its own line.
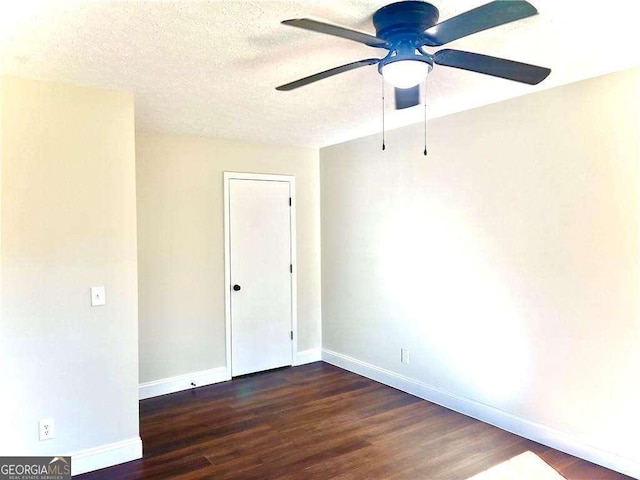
pixel 318 422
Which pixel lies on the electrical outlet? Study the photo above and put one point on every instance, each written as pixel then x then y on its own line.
pixel 46 429
pixel 404 355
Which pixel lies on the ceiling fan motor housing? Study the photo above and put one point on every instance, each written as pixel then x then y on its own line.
pixel 401 24
pixel 404 20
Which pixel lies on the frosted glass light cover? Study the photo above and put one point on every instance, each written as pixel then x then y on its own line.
pixel 405 73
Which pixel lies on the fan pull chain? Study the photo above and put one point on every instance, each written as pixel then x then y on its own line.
pixel 383 145
pixel 425 116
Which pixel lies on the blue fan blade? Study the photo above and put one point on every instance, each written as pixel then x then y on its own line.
pixel 482 18
pixel 496 67
pixel 407 97
pixel 337 31
pixel 327 73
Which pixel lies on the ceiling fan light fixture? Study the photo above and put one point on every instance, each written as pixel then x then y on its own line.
pixel 406 73
pixel 404 28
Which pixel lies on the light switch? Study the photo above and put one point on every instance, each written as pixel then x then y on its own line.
pixel 98 297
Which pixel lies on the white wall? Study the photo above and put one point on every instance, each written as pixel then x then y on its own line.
pixel 1 163
pixel 506 261
pixel 68 221
pixel 181 246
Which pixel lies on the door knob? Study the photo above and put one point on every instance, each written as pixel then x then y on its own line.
pixel 236 287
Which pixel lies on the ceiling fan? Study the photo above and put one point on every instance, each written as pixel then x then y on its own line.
pixel 405 28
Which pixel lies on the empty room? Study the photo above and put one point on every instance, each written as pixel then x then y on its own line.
pixel 319 239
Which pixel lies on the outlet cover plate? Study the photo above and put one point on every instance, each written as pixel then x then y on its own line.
pixel 404 355
pixel 47 431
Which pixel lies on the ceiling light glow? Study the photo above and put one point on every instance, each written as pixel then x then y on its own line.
pixel 406 73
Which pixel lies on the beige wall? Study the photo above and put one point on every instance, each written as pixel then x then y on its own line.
pixel 507 261
pixel 68 221
pixel 181 246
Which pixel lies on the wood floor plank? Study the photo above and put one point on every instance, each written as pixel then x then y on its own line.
pixel 320 422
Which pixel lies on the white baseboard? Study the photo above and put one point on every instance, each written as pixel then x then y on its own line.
pixel 183 382
pixel 520 426
pixel 106 456
pixel 308 356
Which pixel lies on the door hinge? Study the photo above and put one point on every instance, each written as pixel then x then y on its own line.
pixel 290 268
pixel 289 201
pixel 291 334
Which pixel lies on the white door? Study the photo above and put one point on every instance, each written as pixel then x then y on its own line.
pixel 260 275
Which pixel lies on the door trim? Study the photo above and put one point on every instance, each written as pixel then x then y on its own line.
pixel 227 257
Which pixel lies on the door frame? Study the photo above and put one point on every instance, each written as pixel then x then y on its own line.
pixel 228 176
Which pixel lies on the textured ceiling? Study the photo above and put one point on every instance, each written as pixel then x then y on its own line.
pixel 210 68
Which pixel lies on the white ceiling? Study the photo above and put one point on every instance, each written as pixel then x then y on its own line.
pixel 211 68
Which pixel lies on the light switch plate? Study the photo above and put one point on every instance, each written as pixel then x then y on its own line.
pixel 98 297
